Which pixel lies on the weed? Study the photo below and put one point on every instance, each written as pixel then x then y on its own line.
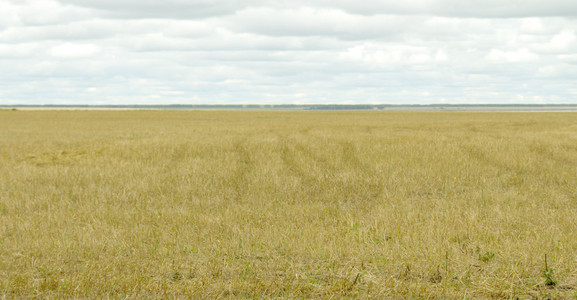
pixel 487 256
pixel 548 273
pixel 176 276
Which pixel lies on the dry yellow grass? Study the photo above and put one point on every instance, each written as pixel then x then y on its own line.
pixel 163 204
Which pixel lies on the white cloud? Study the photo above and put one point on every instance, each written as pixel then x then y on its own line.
pixel 261 51
pixel 450 8
pixel 170 9
pixel 39 13
pixel 459 8
pixel 568 58
pixel 520 55
pixel 8 16
pixel 532 26
pixel 307 21
pixel 21 50
pixel 440 56
pixel 563 40
pixel 374 54
pixel 69 50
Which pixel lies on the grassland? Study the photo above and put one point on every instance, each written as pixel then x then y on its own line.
pixel 163 204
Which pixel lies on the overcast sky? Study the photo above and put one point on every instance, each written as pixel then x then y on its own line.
pixel 288 51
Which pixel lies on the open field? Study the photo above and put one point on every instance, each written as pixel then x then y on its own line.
pixel 162 204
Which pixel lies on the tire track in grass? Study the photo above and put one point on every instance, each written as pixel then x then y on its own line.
pixel 556 160
pixel 508 176
pixel 337 172
pixel 363 183
pixel 239 179
pixel 556 154
pixel 290 154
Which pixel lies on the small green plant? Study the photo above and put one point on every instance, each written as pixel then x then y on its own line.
pixel 487 256
pixel 548 273
pixel 176 276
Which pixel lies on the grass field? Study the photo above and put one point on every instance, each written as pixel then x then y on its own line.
pixel 215 204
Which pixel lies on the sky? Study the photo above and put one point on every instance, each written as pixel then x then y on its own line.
pixel 102 52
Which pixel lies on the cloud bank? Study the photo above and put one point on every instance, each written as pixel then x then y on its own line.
pixel 273 52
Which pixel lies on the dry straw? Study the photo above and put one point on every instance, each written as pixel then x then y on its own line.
pixel 165 204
